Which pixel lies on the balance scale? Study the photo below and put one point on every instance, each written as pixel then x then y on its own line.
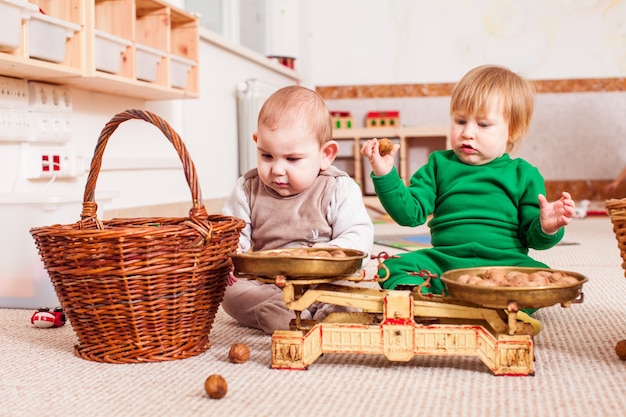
pixel 401 324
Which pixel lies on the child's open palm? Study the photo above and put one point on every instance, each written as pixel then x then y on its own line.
pixel 556 214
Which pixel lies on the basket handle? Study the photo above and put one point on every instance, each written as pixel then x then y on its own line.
pixel 197 213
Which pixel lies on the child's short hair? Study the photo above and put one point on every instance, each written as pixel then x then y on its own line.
pixel 471 95
pixel 297 103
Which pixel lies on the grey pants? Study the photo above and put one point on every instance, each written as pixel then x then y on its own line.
pixel 258 305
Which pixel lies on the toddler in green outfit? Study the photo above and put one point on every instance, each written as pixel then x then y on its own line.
pixel 487 208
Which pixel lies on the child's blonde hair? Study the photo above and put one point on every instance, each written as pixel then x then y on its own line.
pixel 516 94
pixel 291 103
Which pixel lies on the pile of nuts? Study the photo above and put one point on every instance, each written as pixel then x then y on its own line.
pixel 495 277
pixel 333 253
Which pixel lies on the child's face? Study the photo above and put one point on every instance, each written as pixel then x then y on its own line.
pixel 289 158
pixel 478 139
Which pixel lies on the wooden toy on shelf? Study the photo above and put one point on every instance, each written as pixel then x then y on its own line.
pixel 382 119
pixel 342 120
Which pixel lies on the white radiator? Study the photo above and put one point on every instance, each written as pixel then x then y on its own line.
pixel 251 94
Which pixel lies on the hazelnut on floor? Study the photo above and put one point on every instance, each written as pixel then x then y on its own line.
pixel 239 353
pixel 216 386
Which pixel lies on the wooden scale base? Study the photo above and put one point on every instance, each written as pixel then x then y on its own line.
pixel 399 324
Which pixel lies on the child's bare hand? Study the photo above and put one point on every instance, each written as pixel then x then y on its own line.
pixel 381 165
pixel 556 214
pixel 231 278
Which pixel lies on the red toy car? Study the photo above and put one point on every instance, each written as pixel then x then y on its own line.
pixel 44 318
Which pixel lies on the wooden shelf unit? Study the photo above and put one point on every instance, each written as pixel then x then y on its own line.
pixel 416 143
pixel 154 23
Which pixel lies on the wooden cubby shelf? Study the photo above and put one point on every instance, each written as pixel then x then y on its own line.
pixel 416 143
pixel 144 49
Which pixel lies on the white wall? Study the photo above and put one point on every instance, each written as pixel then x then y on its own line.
pixel 360 42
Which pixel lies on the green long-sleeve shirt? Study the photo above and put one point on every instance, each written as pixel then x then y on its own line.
pixel 493 208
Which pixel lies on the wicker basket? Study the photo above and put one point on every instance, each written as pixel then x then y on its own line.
pixel 140 289
pixel 616 209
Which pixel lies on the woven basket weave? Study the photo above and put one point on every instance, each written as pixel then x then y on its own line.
pixel 140 289
pixel 616 209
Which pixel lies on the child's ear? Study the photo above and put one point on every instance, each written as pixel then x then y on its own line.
pixel 255 137
pixel 329 153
